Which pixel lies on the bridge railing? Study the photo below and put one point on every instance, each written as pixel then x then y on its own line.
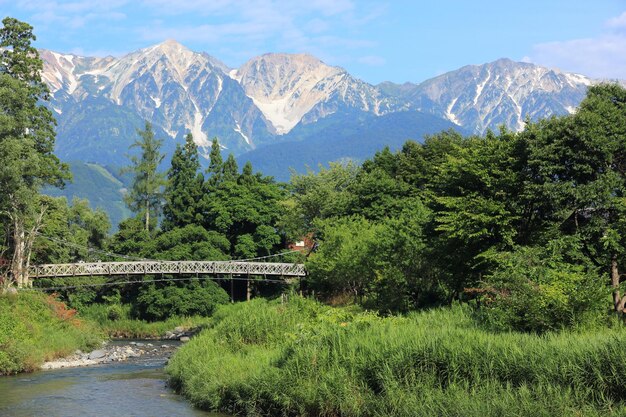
pixel 167 267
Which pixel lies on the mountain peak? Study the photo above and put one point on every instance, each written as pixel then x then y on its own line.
pixel 171 47
pixel 171 42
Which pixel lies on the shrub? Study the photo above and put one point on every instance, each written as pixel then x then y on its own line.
pixel 534 290
pixel 194 298
pixel 115 312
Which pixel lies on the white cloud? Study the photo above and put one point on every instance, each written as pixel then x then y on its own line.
pixel 603 56
pixel 324 28
pixel 72 14
pixel 618 22
pixel 265 25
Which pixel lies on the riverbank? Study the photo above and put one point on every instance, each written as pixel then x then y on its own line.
pixel 112 352
pixel 38 331
pixel 302 358
pixel 136 386
pixel 35 328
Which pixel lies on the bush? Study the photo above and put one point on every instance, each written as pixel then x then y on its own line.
pixel 115 312
pixel 194 298
pixel 534 290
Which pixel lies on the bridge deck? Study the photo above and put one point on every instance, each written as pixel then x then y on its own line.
pixel 167 267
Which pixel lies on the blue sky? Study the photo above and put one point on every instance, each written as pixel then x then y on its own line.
pixel 379 40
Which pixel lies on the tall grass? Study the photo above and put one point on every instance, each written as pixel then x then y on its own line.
pixel 302 358
pixel 35 328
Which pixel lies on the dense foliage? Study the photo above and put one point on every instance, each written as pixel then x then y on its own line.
pixel 196 298
pixel 531 225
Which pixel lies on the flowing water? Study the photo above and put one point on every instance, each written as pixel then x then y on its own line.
pixel 133 388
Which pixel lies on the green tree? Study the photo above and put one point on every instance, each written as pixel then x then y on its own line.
pixel 26 144
pixel 146 195
pixel 131 239
pixel 189 243
pixel 577 170
pixel 230 170
pixel 216 164
pixel 71 233
pixel 320 195
pixel 183 193
pixel 347 258
pixel 473 197
pixel 538 289
pixel 243 207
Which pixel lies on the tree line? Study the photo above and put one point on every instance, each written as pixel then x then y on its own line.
pixel 528 226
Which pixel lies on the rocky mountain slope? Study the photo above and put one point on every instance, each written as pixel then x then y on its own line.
pixel 290 89
pixel 177 90
pixel 481 97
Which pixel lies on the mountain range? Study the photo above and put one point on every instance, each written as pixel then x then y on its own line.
pixel 281 110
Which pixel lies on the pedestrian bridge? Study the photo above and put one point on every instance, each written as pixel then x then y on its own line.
pixel 167 267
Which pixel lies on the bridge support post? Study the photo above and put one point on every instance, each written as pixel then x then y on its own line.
pixel 232 289
pixel 248 289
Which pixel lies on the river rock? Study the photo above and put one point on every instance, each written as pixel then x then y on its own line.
pixel 184 339
pixel 97 354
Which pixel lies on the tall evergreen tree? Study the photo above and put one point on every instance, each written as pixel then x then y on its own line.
pixel 230 170
pixel 145 196
pixel 183 193
pixel 216 163
pixel 26 144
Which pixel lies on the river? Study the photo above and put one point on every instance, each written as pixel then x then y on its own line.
pixel 135 388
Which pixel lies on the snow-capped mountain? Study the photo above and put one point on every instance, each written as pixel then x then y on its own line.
pixel 181 91
pixel 174 88
pixel 99 102
pixel 481 97
pixel 292 88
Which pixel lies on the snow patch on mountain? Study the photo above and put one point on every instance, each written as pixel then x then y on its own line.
pixel 243 135
pixel 482 97
pixel 286 87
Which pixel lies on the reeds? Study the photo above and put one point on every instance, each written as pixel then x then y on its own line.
pixel 302 358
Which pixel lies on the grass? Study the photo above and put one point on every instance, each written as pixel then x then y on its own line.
pixel 301 358
pixel 35 328
pixel 123 326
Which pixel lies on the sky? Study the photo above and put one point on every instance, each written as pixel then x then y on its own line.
pixel 375 40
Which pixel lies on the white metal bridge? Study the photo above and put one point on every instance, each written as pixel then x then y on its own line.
pixel 167 267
